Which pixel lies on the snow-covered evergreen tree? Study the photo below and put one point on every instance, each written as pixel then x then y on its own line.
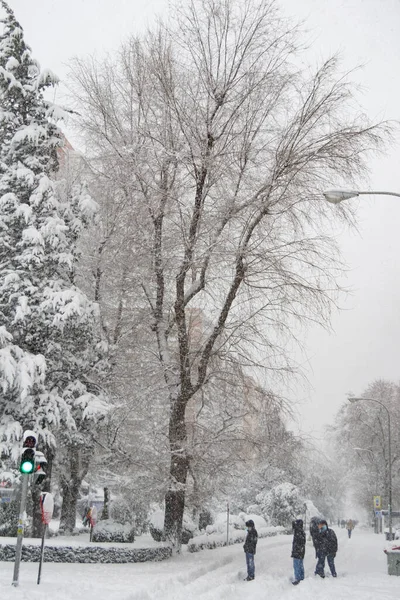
pixel 49 346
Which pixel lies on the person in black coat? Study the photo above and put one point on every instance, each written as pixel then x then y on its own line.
pixel 328 550
pixel 249 547
pixel 315 534
pixel 298 550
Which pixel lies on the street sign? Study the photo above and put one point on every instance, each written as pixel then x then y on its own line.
pixel 93 516
pixel 377 502
pixel 46 507
pixel 378 514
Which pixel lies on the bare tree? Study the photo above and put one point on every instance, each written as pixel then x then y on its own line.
pixel 362 441
pixel 222 147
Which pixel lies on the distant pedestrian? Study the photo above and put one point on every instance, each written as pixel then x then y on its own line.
pixel 343 523
pixel 250 549
pixel 298 550
pixel 327 550
pixel 87 516
pixel 350 526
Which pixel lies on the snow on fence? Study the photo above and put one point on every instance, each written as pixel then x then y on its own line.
pixel 85 554
pixel 217 540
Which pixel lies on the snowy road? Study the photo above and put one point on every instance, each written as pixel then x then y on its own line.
pixel 215 575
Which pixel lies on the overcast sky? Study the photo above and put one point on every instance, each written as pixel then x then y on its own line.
pixel 365 342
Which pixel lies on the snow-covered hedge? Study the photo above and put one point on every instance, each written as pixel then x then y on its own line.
pixel 110 531
pixel 236 536
pixel 85 554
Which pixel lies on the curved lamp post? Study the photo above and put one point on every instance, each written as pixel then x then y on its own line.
pixel 336 196
pixel 389 457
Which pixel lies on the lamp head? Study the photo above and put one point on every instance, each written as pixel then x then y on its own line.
pixel 336 196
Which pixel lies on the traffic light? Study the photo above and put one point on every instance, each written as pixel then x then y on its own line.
pixel 27 464
pixel 40 463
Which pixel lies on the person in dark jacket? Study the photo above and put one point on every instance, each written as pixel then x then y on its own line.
pixel 250 549
pixel 315 534
pixel 328 549
pixel 298 550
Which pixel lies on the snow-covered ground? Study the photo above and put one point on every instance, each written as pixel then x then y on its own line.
pixel 216 575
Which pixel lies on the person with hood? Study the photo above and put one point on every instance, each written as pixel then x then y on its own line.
pixel 328 549
pixel 250 549
pixel 298 550
pixel 315 535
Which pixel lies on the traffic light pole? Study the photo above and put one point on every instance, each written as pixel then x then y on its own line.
pixel 21 527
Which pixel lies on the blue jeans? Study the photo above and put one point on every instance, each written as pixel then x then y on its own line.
pixel 319 569
pixel 298 567
pixel 331 563
pixel 349 532
pixel 250 564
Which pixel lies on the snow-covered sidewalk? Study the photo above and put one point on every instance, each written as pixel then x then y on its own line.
pixel 216 575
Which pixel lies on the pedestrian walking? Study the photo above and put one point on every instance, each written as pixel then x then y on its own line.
pixel 350 526
pixel 298 551
pixel 249 547
pixel 327 550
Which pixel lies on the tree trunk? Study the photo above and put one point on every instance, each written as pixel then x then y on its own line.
pixel 106 507
pixel 68 509
pixel 179 466
pixel 36 512
pixel 79 465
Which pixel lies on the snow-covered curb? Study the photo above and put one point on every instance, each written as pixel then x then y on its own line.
pixel 85 554
pixel 217 540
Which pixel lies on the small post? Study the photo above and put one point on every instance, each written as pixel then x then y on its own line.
pixel 44 529
pixel 21 528
pixel 227 523
pixel 46 508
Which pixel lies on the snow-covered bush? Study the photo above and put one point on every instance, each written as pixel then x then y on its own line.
pixel 259 521
pixel 205 519
pixel 111 531
pixel 156 526
pixel 236 536
pixel 122 511
pixel 9 518
pixel 189 529
pixel 254 509
pixel 281 504
pixel 236 522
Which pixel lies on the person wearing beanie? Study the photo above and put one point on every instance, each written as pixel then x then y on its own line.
pixel 298 550
pixel 250 549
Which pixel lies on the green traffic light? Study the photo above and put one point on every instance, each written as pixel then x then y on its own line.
pixel 26 467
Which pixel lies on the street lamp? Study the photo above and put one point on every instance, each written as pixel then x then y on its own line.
pixel 351 399
pixel 336 196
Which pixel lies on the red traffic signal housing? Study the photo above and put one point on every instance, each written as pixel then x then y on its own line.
pixel 29 442
pixel 39 474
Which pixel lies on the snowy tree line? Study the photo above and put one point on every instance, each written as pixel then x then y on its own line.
pixel 361 438
pixel 146 319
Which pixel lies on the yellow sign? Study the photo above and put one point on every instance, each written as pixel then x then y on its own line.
pixel 377 502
